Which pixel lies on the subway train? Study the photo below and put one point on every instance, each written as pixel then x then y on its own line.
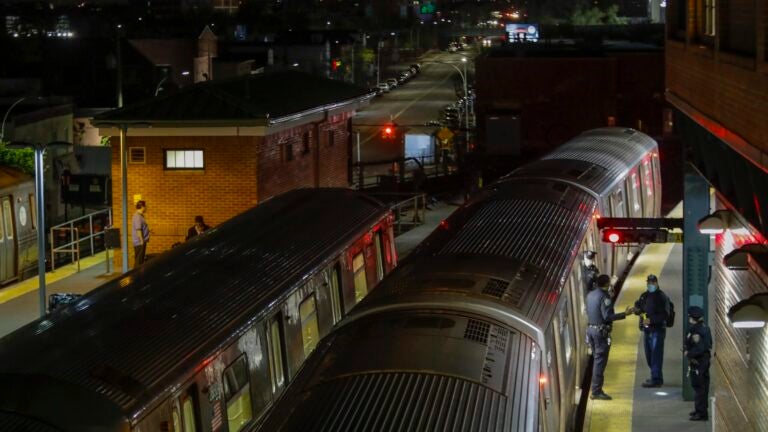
pixel 207 335
pixel 18 233
pixel 482 327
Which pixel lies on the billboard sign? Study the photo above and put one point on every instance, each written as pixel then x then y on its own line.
pixel 523 32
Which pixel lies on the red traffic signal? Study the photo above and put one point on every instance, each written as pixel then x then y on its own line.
pixel 634 235
pixel 388 132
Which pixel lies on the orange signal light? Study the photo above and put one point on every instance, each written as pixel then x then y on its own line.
pixel 542 379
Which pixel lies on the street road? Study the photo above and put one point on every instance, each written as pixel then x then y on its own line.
pixel 409 105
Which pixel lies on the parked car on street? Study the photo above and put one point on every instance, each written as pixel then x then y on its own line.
pixel 392 83
pixel 384 87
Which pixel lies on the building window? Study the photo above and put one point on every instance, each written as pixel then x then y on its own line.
pixel 305 143
pixel 330 138
pixel 238 394
pixel 184 159
pixel 137 155
pixel 710 18
pixel 310 331
pixel 287 152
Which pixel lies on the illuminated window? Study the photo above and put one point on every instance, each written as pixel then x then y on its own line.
pixel 276 353
pixel 237 392
pixel 710 18
pixel 184 159
pixel 635 192
pixel 648 177
pixel 361 284
pixel 188 413
pixel 176 419
pixel 310 333
pixel 8 218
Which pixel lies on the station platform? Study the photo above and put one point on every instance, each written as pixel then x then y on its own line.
pixel 633 407
pixel 19 303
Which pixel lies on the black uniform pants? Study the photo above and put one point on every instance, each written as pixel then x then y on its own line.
pixel 598 340
pixel 700 384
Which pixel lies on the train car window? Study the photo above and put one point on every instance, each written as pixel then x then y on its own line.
pixel 336 293
pixel 310 332
pixel 379 256
pixel 618 203
pixel 8 218
pixel 635 189
pixel 32 211
pixel 188 411
pixel 176 419
pixel 276 357
pixel 565 332
pixel 361 284
pixel 237 391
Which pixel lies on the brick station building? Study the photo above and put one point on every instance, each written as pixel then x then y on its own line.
pixel 218 148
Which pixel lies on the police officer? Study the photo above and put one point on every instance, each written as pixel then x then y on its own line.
pixel 698 344
pixel 601 316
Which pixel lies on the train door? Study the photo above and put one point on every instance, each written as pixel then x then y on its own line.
pixel 566 353
pixel 618 210
pixel 379 255
pixel 8 255
pixel 186 411
pixel 278 365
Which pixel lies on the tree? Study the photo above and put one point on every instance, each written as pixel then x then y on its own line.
pixel 23 159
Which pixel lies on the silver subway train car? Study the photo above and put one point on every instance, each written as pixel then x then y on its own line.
pixel 482 327
pixel 204 337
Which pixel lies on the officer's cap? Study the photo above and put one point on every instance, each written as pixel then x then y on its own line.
pixel 652 278
pixel 603 280
pixel 695 312
pixel 589 254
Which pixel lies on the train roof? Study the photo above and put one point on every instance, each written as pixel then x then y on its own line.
pixel 521 235
pixel 596 159
pixel 133 338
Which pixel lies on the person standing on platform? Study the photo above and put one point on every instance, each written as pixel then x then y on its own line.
pixel 590 271
pixel 198 228
pixel 698 345
pixel 653 306
pixel 601 317
pixel 140 234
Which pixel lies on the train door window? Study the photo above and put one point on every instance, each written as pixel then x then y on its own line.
pixel 361 284
pixel 8 218
pixel 176 419
pixel 309 328
pixel 647 183
pixel 634 187
pixel 379 256
pixel 618 203
pixel 276 357
pixel 336 294
pixel 32 211
pixel 188 414
pixel 237 392
pixel 566 332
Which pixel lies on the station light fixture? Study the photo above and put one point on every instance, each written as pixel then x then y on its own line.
pixel 716 223
pixel 741 258
pixel 750 313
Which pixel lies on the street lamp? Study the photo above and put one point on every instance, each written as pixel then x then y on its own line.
pixel 464 81
pixel 40 204
pixel 5 117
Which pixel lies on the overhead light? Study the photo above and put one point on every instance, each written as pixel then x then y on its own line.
pixel 750 313
pixel 716 223
pixel 739 259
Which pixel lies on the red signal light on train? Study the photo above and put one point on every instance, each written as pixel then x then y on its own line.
pixel 613 236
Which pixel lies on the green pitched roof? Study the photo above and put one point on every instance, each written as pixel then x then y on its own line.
pixel 251 97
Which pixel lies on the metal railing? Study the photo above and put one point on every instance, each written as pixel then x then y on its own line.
pixel 409 212
pixel 72 229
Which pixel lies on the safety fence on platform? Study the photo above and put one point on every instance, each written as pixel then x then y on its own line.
pixel 83 236
pixel 391 173
pixel 409 209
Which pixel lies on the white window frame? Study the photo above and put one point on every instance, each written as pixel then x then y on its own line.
pixel 191 159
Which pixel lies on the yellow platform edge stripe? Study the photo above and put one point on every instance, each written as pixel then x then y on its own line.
pixel 32 284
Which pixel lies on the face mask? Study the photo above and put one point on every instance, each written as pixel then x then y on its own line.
pixel 652 288
pixel 692 320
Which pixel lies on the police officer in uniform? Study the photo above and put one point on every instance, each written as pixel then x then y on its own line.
pixel 601 316
pixel 698 344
